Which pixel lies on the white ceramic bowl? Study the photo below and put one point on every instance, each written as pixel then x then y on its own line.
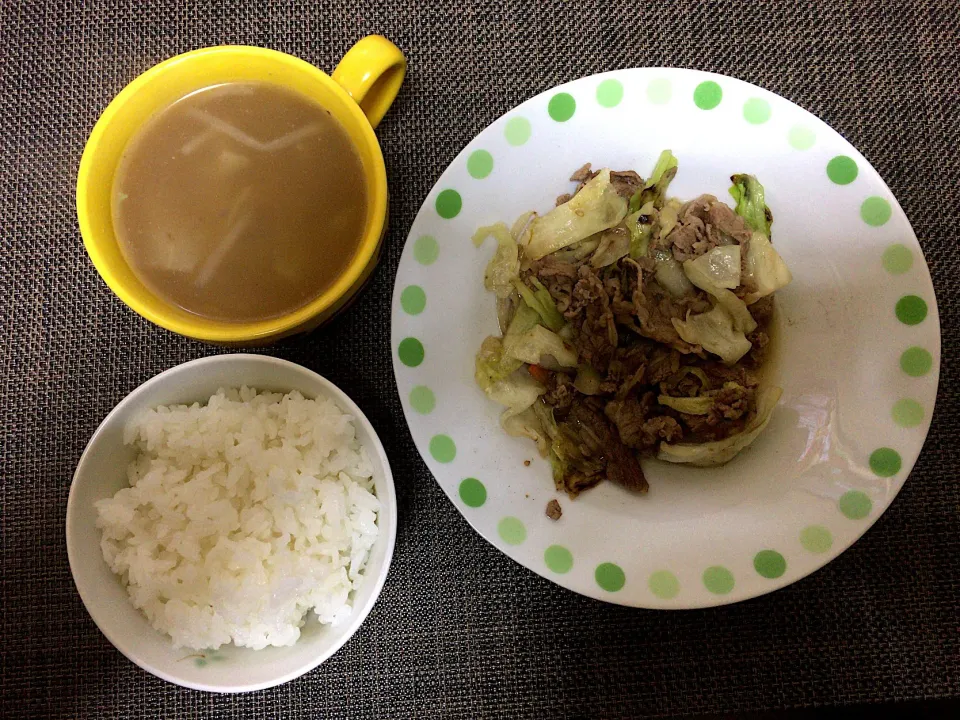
pixel 102 471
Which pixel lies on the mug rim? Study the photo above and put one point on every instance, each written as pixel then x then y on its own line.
pixel 229 332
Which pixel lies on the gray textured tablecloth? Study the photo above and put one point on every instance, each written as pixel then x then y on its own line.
pixel 460 630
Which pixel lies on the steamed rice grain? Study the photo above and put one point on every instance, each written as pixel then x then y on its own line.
pixel 242 516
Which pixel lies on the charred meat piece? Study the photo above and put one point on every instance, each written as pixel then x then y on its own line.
pixel 598 449
pixel 703 224
pixel 554 511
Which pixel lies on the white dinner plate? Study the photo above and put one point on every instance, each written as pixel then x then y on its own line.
pixel 859 359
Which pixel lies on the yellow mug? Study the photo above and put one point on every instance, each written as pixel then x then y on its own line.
pixel 361 90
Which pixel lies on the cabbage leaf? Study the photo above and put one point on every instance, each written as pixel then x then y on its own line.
pixel 689 405
pixel 526 424
pixel 751 205
pixel 520 224
pixel 721 451
pixel 697 373
pixel 524 319
pixel 614 244
pixel 491 365
pixel 541 301
pixel 715 331
pixel 669 274
pixel 504 266
pixel 655 189
pixel 506 308
pixel 588 380
pixel 715 272
pixel 596 207
pixel 516 392
pixel 661 171
pixel 765 271
pixel 536 423
pixel 578 251
pixel 718 268
pixel 536 342
pixel 669 217
pixel 640 226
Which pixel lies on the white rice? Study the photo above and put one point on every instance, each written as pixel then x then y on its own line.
pixel 242 515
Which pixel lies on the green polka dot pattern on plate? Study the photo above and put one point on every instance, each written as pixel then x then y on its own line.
pixel 897 259
pixel 718 580
pixel 422 399
pixel 664 584
pixel 659 91
pixel 413 299
pixel 816 539
pixel 907 413
pixel 610 577
pixel 916 362
pixel 609 93
pixel 449 204
pixel 842 170
pixel 517 131
pixel 769 564
pixel 801 137
pixel 473 492
pixel 410 352
pixel 558 559
pixel 885 462
pixel 443 448
pixel 707 95
pixel 911 310
pixel 562 106
pixel 426 250
pixel 511 531
pixel 875 211
pixel 855 504
pixel 756 111
pixel 480 164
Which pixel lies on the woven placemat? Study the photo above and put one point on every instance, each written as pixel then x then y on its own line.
pixel 460 630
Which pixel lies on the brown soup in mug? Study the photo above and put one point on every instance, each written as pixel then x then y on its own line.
pixel 240 202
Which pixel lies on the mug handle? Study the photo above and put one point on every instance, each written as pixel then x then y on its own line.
pixel 371 72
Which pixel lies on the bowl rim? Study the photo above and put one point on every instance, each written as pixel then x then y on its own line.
pixel 389 505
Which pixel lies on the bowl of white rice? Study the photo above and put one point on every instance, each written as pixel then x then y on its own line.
pixel 231 523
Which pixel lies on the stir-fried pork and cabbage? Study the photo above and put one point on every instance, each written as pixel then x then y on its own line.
pixel 633 325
